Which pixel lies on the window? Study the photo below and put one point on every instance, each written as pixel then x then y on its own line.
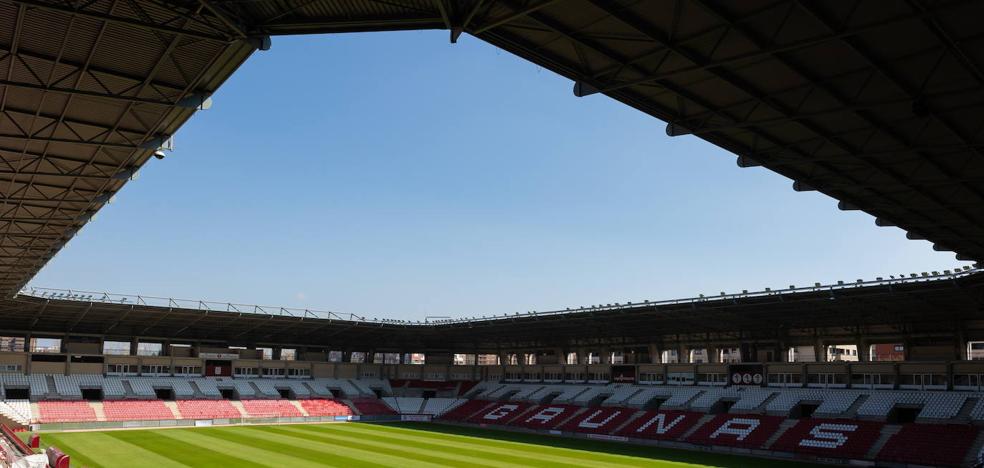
pixel 7 368
pixel 463 359
pixel 149 349
pixel 273 372
pixel 357 357
pixel 45 345
pixel 488 359
pixel 12 344
pixel 288 354
pixel 187 370
pixel 334 356
pixel 121 369
pixel 116 348
pixel 155 370
pixel 265 353
pixel 300 373
pixel 651 377
pixel 245 372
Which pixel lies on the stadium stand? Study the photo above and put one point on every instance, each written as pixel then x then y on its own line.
pixel 836 438
pixel 660 425
pixel 545 417
pixel 930 444
pixel 746 430
pixel 270 408
pixel 438 406
pixel 207 409
pixel 599 420
pixel 18 411
pixel 324 407
pixel 65 411
pixel 466 410
pixel 501 414
pixel 371 406
pixel 136 410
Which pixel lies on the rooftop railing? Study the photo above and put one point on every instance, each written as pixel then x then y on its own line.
pixel 154 301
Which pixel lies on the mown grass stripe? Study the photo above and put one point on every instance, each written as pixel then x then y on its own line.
pixel 98 449
pixel 178 451
pixel 369 447
pixel 334 454
pixel 273 455
pixel 592 447
pixel 498 448
pixel 441 453
pixel 530 456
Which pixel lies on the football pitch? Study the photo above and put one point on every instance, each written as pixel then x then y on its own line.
pixel 402 445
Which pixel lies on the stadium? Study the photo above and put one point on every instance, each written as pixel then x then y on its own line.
pixel 874 104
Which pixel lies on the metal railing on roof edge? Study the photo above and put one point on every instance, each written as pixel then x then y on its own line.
pixel 203 305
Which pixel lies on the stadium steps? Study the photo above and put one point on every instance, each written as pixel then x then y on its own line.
pixel 623 401
pixel 313 389
pixel 638 414
pixel 173 406
pixel 198 393
pixel 50 380
pixel 577 413
pixel 975 449
pixel 762 409
pixel 299 407
pixel 779 432
pixel 7 421
pixel 852 411
pixel 128 389
pixel 35 410
pixel 887 432
pixel 484 408
pixel 355 409
pixel 239 407
pixel 700 423
pixel 97 407
pixel 966 409
pixel 509 420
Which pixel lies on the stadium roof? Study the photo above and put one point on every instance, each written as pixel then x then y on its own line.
pixel 940 303
pixel 877 104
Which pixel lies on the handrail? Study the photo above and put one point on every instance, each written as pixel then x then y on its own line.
pixel 203 305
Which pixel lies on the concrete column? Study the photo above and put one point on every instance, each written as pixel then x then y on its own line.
pixel 655 354
pixel 683 354
pixel 606 356
pixel 713 354
pixel 582 356
pixel 864 350
pixel 820 351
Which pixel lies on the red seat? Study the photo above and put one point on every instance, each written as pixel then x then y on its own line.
pixel 143 410
pixel 500 413
pixel 271 408
pixel 324 407
pixel 599 420
pixel 466 409
pixel 207 409
pixel 545 416
pixel 65 411
pixel 372 407
pixel 842 438
pixel 737 430
pixel 660 425
pixel 930 444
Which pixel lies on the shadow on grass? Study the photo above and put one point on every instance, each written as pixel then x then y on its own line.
pixel 601 446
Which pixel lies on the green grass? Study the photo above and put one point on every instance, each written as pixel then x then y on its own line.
pixel 403 445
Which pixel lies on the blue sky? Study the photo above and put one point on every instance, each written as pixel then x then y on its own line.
pixel 396 175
